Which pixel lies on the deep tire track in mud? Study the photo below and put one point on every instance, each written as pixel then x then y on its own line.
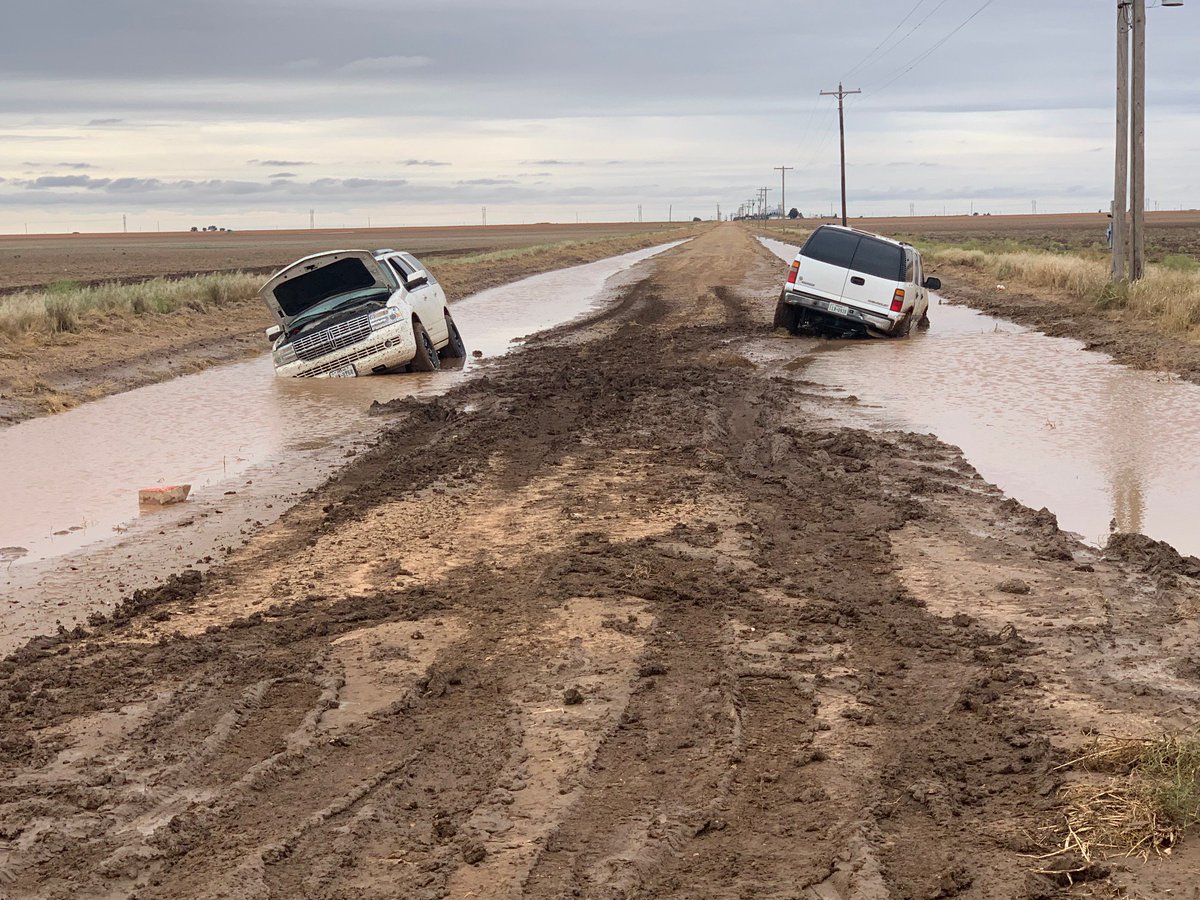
pixel 621 618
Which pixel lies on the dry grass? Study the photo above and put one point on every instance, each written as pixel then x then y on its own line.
pixel 1134 797
pixel 67 307
pixel 1169 295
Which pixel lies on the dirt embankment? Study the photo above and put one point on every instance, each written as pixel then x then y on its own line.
pixel 624 617
pixel 108 355
pixel 1129 341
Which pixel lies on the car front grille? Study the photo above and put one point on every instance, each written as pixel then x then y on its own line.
pixel 354 356
pixel 313 346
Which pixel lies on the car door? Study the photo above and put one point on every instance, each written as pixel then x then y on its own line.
pixel 426 299
pixel 875 272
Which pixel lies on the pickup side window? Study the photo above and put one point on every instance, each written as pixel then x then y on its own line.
pixel 828 245
pixel 910 267
pixel 879 259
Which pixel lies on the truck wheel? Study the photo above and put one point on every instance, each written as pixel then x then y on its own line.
pixel 426 358
pixel 785 316
pixel 455 349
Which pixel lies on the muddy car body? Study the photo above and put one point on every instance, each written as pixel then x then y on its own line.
pixel 358 312
pixel 850 282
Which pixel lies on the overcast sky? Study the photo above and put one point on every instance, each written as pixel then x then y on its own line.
pixel 249 113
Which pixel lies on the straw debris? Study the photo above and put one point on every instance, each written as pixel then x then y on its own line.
pixel 1133 797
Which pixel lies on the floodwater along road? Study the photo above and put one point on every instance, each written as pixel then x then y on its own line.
pixel 247 441
pixel 1102 446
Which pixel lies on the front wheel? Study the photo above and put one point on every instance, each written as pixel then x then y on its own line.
pixel 426 358
pixel 455 348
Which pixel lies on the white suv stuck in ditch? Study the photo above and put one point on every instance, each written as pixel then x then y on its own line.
pixel 850 282
pixel 358 312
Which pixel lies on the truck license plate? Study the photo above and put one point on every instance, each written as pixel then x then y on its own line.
pixel 838 310
pixel 346 371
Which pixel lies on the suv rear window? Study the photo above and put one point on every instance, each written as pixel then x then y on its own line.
pixel 853 251
pixel 828 245
pixel 879 259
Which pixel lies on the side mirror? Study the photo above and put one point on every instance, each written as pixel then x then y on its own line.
pixel 933 283
pixel 419 278
pixel 273 333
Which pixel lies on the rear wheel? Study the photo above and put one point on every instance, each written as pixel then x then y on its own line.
pixel 455 348
pixel 426 358
pixel 786 316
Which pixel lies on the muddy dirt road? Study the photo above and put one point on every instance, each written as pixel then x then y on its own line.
pixel 628 617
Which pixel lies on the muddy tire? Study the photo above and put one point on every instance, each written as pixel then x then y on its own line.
pixel 426 358
pixel 786 316
pixel 455 348
pixel 923 324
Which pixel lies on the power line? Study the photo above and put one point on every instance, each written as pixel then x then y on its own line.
pixel 899 25
pixel 924 56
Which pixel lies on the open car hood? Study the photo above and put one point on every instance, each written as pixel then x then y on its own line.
pixel 318 278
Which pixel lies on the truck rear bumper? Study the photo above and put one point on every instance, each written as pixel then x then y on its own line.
pixel 842 315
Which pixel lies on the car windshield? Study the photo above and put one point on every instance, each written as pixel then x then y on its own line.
pixel 315 312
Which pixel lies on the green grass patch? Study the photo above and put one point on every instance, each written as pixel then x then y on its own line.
pixel 69 307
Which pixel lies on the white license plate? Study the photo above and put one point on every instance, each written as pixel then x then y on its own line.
pixel 838 310
pixel 346 371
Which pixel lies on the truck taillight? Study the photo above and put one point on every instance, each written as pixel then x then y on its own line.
pixel 793 272
pixel 898 300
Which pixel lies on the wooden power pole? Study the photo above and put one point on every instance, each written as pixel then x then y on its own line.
pixel 1137 184
pixel 783 170
pixel 1120 204
pixel 841 93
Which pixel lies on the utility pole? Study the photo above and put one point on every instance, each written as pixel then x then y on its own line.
pixel 783 170
pixel 483 214
pixel 312 219
pixel 124 224
pixel 671 213
pixel 762 201
pixel 912 209
pixel 1121 182
pixel 841 93
pixel 1137 184
pixel 639 212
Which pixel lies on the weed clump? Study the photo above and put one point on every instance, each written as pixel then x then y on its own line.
pixel 1133 797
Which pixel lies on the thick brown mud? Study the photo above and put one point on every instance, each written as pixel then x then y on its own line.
pixel 621 618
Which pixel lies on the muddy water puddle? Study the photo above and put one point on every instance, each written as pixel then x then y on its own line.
pixel 249 443
pixel 1053 425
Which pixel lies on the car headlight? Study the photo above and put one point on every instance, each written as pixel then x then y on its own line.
pixel 389 315
pixel 284 355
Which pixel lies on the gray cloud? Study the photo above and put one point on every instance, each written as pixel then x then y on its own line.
pixel 101 123
pixel 280 163
pixel 423 162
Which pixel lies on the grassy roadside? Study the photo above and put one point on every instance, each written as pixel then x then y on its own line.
pixel 72 343
pixel 1168 298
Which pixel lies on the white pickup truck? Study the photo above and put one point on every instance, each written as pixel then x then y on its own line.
pixel 358 312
